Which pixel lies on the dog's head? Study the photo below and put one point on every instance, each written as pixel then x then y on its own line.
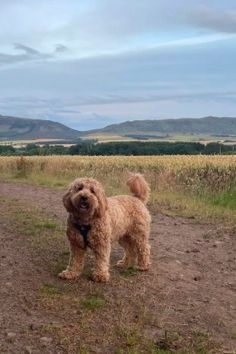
pixel 85 198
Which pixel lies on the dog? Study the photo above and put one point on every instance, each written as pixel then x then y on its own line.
pixel 95 221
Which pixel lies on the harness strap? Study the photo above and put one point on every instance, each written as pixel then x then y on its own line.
pixel 83 230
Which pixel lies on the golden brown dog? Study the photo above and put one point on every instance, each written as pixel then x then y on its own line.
pixel 95 221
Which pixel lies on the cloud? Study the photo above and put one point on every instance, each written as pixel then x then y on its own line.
pixel 102 27
pixel 26 49
pixel 107 24
pixel 60 48
pixel 29 54
pixel 215 19
pixel 100 61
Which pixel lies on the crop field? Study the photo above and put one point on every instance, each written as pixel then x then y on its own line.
pixel 185 304
pixel 184 181
pixel 104 138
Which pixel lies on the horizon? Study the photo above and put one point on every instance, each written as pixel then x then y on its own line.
pixel 92 64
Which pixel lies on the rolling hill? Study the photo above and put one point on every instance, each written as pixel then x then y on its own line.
pixel 12 128
pixel 24 128
pixel 199 126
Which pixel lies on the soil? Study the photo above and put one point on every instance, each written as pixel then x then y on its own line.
pixel 190 288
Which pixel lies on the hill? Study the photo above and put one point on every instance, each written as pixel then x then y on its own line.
pixel 24 128
pixel 201 126
pixel 13 128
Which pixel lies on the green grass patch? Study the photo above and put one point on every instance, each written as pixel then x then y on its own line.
pixel 199 208
pixel 83 350
pixel 163 351
pixel 92 303
pixel 45 224
pixel 129 272
pixel 49 289
pixel 60 264
pixel 225 199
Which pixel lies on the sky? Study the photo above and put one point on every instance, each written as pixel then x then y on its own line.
pixel 90 63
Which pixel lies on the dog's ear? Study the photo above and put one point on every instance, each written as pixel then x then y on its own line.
pixel 102 201
pixel 67 201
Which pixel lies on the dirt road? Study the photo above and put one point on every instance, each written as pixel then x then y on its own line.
pixel 186 300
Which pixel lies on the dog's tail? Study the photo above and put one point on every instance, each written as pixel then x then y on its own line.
pixel 139 187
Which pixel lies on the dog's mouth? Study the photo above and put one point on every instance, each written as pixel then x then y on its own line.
pixel 83 205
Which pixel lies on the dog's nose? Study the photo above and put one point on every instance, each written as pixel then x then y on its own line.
pixel 84 198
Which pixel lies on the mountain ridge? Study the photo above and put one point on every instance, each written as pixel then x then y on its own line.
pixel 27 128
pixel 207 125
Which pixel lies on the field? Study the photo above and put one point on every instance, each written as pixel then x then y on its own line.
pixel 185 304
pixel 108 137
pixel 200 184
pixel 204 139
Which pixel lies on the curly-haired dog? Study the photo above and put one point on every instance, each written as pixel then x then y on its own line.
pixel 95 221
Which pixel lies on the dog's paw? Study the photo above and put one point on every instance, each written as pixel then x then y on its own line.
pixel 101 277
pixel 144 267
pixel 125 264
pixel 66 274
pixel 121 264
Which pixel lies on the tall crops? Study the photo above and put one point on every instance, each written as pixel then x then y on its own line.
pixel 192 173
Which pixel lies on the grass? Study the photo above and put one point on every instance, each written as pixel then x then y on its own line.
pixel 129 272
pixel 65 298
pixel 200 186
pixel 40 231
pixel 83 350
pixel 56 330
pixel 132 338
pixel 92 303
pixel 49 289
pixel 225 199
pixel 106 137
pixel 45 224
pixel 198 342
pixel 171 343
pixel 195 207
pixel 73 300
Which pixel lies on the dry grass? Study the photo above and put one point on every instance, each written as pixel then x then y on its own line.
pixel 187 183
pixel 215 172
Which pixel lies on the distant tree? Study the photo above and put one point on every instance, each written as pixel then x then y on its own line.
pixel 7 150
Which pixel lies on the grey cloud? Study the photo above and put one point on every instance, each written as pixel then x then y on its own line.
pixel 216 19
pixel 109 23
pixel 60 48
pixel 72 105
pixel 26 49
pixel 152 71
pixel 29 54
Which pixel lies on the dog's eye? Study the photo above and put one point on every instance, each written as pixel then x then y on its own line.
pixel 80 188
pixel 92 190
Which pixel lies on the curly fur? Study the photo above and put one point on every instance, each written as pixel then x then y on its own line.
pixel 122 218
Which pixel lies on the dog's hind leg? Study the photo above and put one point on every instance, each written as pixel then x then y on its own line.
pixel 129 253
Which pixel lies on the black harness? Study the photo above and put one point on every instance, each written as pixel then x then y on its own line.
pixel 83 230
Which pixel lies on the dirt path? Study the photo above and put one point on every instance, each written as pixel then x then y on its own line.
pixel 190 289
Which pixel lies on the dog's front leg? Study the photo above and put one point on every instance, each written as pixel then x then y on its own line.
pixel 76 262
pixel 102 256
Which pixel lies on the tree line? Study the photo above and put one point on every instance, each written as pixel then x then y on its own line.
pixel 120 148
